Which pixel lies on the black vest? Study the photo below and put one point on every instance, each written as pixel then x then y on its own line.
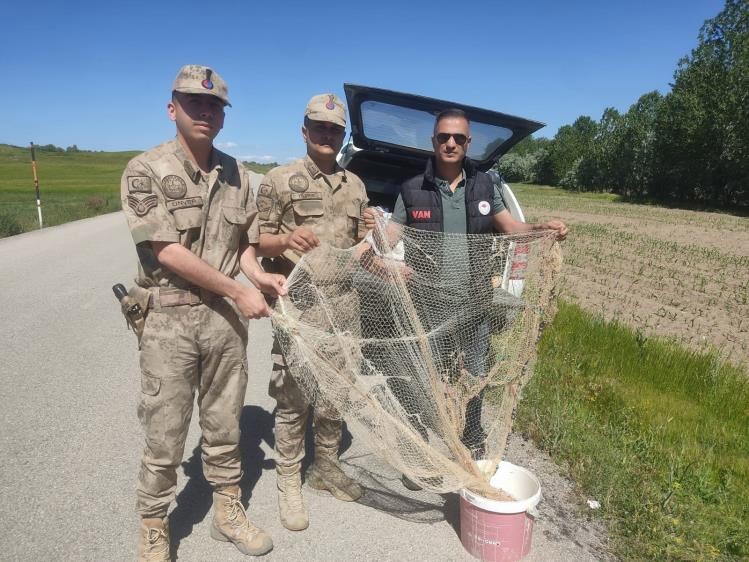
pixel 423 200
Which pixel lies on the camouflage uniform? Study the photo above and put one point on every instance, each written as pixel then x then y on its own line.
pixel 192 340
pixel 291 196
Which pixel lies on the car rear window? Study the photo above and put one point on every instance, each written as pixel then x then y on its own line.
pixel 405 126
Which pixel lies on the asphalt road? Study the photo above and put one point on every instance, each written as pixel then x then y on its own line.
pixel 71 442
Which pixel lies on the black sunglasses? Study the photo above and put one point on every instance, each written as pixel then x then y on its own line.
pixel 460 139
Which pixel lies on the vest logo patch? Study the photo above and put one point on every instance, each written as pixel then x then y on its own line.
pixel 420 214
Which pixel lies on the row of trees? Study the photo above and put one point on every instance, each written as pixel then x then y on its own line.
pixel 53 148
pixel 691 145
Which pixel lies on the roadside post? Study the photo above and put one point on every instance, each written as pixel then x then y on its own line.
pixel 36 185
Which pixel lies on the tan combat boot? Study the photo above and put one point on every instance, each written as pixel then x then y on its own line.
pixel 326 474
pixel 230 524
pixel 291 508
pixel 153 540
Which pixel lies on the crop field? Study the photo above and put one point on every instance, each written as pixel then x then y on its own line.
pixel 641 389
pixel 667 272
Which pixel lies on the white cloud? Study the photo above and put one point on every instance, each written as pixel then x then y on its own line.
pixel 226 145
pixel 261 158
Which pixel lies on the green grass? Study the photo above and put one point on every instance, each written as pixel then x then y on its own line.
pixel 659 435
pixel 73 185
pixel 258 167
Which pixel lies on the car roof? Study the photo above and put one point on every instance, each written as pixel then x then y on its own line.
pixel 400 124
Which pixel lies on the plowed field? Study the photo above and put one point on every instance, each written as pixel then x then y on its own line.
pixel 667 272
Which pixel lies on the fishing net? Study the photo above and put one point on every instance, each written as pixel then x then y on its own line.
pixel 422 343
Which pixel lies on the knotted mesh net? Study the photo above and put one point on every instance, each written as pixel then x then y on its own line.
pixel 422 343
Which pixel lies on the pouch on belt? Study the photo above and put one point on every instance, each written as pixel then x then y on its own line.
pixel 134 306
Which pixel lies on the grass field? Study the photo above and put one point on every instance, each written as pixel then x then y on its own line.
pixel 657 433
pixel 73 185
pixel 258 167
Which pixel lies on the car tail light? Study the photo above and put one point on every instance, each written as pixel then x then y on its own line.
pixel 519 262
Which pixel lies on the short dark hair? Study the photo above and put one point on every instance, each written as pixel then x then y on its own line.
pixel 451 112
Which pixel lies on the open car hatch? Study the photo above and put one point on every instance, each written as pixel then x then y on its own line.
pixel 401 124
pixel 391 137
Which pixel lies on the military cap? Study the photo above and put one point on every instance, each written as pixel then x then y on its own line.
pixel 198 79
pixel 326 107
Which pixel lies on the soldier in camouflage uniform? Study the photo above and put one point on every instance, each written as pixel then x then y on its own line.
pixel 192 216
pixel 299 205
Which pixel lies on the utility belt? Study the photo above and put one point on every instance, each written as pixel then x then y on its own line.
pixel 164 297
pixel 137 301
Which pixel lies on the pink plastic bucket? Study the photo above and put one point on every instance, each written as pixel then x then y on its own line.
pixel 501 531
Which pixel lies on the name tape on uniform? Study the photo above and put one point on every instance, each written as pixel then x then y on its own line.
pixel 184 203
pixel 303 196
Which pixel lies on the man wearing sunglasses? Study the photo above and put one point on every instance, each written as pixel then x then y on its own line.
pixel 452 196
pixel 458 198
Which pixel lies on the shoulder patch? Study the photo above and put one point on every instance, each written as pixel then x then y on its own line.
pixel 174 187
pixel 266 197
pixel 138 184
pixel 141 206
pixel 263 204
pixel 298 183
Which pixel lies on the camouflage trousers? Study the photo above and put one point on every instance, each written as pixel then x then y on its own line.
pixel 292 414
pixel 185 349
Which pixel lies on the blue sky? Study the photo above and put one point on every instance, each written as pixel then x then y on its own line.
pixel 98 74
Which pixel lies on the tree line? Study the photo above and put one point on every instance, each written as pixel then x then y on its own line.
pixel 688 146
pixel 54 148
